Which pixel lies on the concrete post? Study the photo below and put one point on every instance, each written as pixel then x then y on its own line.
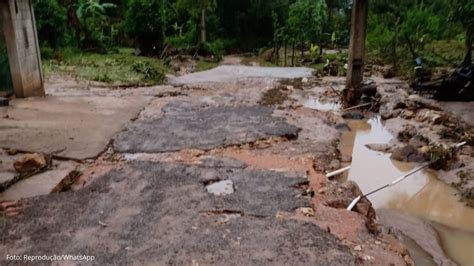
pixel 355 71
pixel 21 39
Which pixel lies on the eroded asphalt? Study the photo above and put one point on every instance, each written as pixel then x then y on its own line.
pixel 146 199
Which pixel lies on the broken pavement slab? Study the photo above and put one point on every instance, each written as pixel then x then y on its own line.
pixel 40 184
pixel 77 127
pixel 226 74
pixel 165 220
pixel 187 126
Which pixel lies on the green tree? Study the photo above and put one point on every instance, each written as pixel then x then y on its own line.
pixel 51 22
pixel 145 22
pixel 305 20
pixel 463 12
pixel 198 10
pixel 93 19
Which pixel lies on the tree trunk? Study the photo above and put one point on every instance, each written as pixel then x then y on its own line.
pixel 285 52
pixel 320 55
pixel 72 19
pixel 469 42
pixel 302 51
pixel 293 55
pixel 203 25
pixel 277 55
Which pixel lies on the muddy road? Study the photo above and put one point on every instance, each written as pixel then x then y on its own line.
pixel 225 166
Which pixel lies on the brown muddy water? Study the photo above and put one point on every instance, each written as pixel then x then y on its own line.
pixel 421 195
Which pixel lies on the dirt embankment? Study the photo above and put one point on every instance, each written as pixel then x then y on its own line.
pixel 425 129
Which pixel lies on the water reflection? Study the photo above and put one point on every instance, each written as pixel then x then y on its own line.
pixel 321 106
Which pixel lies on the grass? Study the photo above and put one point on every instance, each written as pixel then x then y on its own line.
pixel 117 69
pixel 202 65
pixel 437 56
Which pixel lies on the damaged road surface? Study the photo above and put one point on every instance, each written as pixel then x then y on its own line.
pixel 215 170
pixel 190 127
pixel 161 213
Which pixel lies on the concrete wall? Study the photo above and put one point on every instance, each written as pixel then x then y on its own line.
pixel 23 49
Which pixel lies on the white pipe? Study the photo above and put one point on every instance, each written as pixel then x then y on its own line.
pixel 340 171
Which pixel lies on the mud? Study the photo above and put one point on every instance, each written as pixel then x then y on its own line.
pixel 76 127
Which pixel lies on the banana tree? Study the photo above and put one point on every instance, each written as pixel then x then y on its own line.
pixel 93 18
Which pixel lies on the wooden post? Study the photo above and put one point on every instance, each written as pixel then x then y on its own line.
pixel 355 71
pixel 23 49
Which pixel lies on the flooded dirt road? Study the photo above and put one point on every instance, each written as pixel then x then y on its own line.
pixel 421 195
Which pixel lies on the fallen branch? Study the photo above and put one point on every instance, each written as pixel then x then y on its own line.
pixel 53 155
pixel 357 107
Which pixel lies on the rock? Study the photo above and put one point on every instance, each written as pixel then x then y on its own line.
pixel 434 117
pixel 389 114
pixel 341 195
pixel 30 162
pixel 346 159
pixel 407 153
pixel 356 115
pixel 4 101
pixel 343 127
pixel 358 248
pixel 308 212
pixel 408 114
pixel 12 152
pixel 335 164
pixel 368 87
pixel 408 132
pixel 221 188
pixel 388 71
pixel 418 141
pixel 385 148
pixel 415 102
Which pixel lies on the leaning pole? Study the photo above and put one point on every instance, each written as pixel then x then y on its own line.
pixel 355 70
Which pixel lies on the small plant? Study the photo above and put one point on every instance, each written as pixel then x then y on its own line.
pixel 103 78
pixel 314 52
pixel 150 72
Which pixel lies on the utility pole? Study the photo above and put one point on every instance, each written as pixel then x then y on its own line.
pixel 355 71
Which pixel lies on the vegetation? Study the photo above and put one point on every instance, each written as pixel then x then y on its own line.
pixel 292 30
pixel 118 69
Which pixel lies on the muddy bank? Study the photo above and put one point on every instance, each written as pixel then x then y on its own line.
pixel 420 124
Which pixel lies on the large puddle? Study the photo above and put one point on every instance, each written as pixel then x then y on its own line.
pixel 422 195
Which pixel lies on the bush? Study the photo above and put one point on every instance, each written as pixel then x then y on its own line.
pixel 215 48
pixel 46 52
pixel 150 73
